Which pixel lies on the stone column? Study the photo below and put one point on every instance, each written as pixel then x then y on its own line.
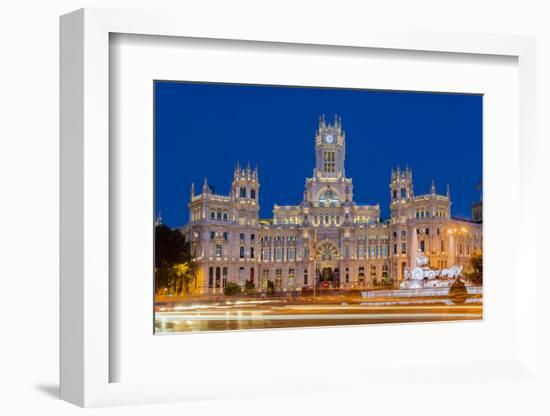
pixel 413 249
pixel 451 255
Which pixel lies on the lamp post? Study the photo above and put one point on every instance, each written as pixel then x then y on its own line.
pixel 314 263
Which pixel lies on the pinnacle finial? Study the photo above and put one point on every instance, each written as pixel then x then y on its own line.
pixel 158 220
pixel 432 189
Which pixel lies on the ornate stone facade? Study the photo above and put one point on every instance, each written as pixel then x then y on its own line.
pixel 327 238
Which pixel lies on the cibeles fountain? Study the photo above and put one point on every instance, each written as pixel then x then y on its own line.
pixel 423 277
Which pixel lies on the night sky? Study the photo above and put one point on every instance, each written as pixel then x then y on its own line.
pixel 202 130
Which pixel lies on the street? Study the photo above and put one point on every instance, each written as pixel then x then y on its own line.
pixel 263 315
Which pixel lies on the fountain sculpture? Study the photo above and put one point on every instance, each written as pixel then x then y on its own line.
pixel 422 276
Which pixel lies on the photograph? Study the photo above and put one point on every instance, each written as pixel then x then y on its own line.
pixel 282 206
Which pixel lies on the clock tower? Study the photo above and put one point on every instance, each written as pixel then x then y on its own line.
pixel 330 149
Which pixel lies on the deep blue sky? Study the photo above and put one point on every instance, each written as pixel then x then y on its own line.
pixel 204 129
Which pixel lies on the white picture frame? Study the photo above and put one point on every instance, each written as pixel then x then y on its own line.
pixel 86 356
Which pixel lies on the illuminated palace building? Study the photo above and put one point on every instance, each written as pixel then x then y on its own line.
pixel 327 239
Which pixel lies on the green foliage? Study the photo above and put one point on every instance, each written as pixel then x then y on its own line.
pixel 231 289
pixel 175 268
pixel 170 247
pixel 249 287
pixel 475 269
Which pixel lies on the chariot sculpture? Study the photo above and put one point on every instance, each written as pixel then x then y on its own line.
pixel 422 276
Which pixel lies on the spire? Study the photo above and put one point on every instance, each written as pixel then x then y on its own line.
pixel 322 123
pixel 192 190
pixel 448 191
pixel 205 188
pixel 158 220
pixel 432 190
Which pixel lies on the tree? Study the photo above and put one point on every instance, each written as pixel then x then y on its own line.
pixel 170 247
pixel 475 269
pixel 175 268
pixel 249 287
pixel 231 289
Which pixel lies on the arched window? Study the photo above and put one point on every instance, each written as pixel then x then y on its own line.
pixel 218 277
pixel 242 192
pixel 219 215
pixel 225 236
pixel 224 277
pixel 403 192
pixel 241 236
pixel 253 193
pixel 211 277
pixel 212 215
pixel 241 252
pixel 225 216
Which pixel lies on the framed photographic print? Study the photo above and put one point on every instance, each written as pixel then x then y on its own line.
pixel 292 211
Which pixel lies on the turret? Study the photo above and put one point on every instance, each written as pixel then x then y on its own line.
pixel 401 185
pixel 245 185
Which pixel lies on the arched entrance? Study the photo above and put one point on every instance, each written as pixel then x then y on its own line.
pixel 327 265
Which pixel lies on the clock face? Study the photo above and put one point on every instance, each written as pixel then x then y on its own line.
pixel 328 138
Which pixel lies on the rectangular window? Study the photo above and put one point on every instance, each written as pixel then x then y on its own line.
pixel 422 246
pixel 265 278
pixel 253 194
pixel 212 235
pixel 305 277
pixel 278 279
pixel 291 254
pixel 403 248
pixel 218 250
pixel 372 251
pixel 291 278
pixel 251 252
